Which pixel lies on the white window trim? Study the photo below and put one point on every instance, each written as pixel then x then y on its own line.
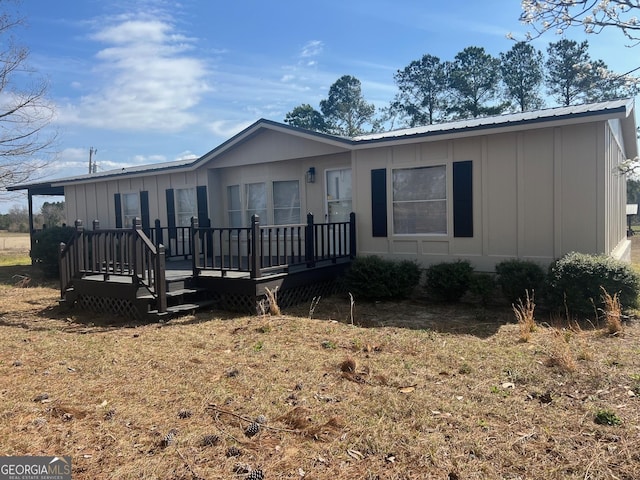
pixel 123 204
pixel 326 188
pixel 448 190
pixel 175 200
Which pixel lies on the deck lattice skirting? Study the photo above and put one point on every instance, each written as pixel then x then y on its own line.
pixel 124 273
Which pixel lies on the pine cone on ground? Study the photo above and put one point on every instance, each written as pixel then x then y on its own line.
pixel 209 440
pixel 233 451
pixel 252 429
pixel 257 474
pixel 169 439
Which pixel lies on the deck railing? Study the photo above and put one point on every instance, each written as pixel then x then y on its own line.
pixel 177 240
pixel 114 252
pixel 263 249
pixel 256 250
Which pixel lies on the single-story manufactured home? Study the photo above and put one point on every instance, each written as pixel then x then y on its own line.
pixel 532 185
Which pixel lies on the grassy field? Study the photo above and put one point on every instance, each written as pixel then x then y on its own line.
pixel 407 391
pixel 14 242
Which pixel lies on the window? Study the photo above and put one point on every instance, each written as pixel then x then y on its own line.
pixel 130 208
pixel 286 202
pixel 420 200
pixel 234 208
pixel 256 201
pixel 186 206
pixel 339 195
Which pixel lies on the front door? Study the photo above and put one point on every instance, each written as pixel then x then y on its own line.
pixel 339 203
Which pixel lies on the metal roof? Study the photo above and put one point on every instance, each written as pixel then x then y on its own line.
pixel 576 113
pixel 549 114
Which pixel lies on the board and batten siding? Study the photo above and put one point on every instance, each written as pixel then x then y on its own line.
pixel 96 201
pixel 537 194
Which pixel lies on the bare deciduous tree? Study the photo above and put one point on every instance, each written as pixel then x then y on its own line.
pixel 25 112
pixel 592 15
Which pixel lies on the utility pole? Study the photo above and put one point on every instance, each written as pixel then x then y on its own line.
pixel 93 168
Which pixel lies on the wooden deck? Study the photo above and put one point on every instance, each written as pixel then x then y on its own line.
pixel 123 272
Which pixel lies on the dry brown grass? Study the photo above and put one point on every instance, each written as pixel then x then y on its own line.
pixel 442 396
pixel 612 313
pixel 525 316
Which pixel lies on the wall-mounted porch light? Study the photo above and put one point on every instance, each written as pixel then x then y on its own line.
pixel 311 175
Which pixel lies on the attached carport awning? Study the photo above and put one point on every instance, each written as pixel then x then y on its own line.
pixel 42 188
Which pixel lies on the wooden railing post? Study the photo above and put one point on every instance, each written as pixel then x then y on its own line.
pixel 256 248
pixel 79 247
pixel 137 259
pixel 309 247
pixel 195 246
pixel 95 253
pixel 160 280
pixel 158 232
pixel 64 270
pixel 352 235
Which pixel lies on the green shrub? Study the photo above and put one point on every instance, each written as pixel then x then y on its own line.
pixel 449 281
pixel 46 246
pixel 516 277
pixel 483 285
pixel 576 281
pixel 374 278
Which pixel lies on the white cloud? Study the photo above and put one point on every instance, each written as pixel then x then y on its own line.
pixel 186 155
pixel 149 81
pixel 145 160
pixel 227 129
pixel 312 48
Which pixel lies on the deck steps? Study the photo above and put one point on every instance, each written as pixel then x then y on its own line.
pixel 183 296
pixel 183 308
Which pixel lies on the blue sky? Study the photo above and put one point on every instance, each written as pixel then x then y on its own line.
pixel 160 80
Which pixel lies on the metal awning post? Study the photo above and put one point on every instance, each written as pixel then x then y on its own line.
pixel 31 229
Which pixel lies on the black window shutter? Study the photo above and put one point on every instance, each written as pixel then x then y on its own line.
pixel 171 214
pixel 144 211
pixel 203 209
pixel 118 203
pixel 379 202
pixel 463 199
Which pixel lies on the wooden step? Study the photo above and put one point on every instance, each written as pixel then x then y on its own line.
pixel 183 308
pixel 173 293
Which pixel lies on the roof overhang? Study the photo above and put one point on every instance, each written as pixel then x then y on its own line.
pixel 622 110
pixel 41 188
pixel 190 165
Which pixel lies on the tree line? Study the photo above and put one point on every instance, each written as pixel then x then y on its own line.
pixel 17 218
pixel 473 84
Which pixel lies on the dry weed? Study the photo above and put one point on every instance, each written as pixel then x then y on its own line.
pixel 612 312
pixel 524 312
pixel 272 297
pixel 314 304
pixel 560 354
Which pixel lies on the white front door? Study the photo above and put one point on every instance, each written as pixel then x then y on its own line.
pixel 338 185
